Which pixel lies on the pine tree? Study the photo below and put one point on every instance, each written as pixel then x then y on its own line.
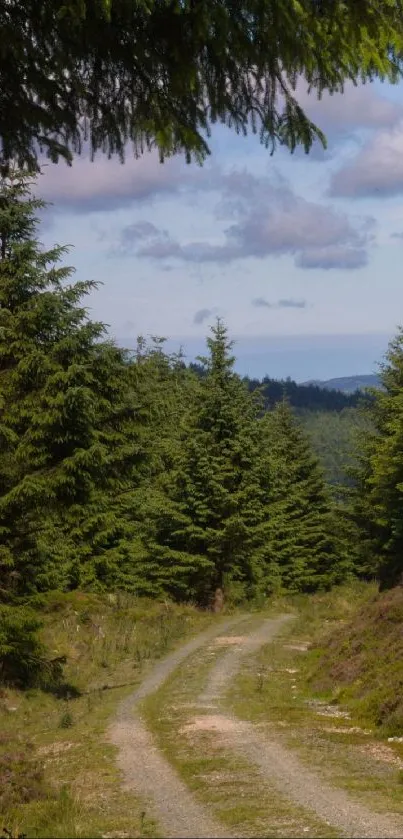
pixel 378 496
pixel 360 526
pixel 135 472
pixel 164 391
pixel 69 442
pixel 209 524
pixel 303 531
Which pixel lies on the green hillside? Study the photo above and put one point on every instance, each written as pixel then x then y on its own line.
pixel 333 435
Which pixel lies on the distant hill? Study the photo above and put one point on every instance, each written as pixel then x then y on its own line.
pixel 310 396
pixel 347 384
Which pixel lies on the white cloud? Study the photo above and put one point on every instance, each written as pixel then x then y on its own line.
pixel 268 220
pixel 333 257
pixel 376 170
pixel 108 184
pixel 359 106
pixel 288 303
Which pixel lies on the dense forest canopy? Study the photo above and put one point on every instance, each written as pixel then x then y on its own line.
pixel 331 419
pixel 160 73
pixel 378 496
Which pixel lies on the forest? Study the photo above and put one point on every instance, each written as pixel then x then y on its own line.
pixel 330 418
pixel 134 472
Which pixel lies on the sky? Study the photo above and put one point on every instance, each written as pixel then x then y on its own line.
pixel 301 255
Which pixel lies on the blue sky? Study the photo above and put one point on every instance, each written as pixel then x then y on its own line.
pixel 300 254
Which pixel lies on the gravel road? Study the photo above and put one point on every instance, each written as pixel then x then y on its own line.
pixel 148 773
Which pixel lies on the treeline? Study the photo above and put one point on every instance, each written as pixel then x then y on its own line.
pixel 130 471
pixel 305 397
pixel 308 397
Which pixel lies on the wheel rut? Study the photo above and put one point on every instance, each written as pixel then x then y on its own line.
pixel 144 768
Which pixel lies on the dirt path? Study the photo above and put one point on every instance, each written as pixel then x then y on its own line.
pixel 147 772
pixel 144 768
pixel 277 763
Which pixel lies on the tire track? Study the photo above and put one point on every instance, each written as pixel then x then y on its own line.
pixel 279 764
pixel 146 771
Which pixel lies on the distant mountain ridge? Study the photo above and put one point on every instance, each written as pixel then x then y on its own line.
pixel 332 395
pixel 347 384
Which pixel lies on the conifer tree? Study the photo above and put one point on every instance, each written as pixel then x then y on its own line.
pixel 68 440
pixel 164 392
pixel 359 522
pixel 378 496
pixel 135 472
pixel 209 524
pixel 303 537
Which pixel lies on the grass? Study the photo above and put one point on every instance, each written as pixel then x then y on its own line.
pixel 58 776
pixel 364 661
pixel 294 694
pixel 236 793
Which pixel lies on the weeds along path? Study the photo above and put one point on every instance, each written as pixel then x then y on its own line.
pixel 278 764
pixel 146 771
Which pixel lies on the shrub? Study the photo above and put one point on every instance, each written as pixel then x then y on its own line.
pixel 23 659
pixel 66 720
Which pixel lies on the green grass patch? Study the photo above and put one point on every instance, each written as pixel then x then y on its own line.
pixel 362 663
pixel 59 778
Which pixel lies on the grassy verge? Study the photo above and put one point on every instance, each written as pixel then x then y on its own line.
pixel 218 776
pixel 362 664
pixel 57 774
pixel 290 689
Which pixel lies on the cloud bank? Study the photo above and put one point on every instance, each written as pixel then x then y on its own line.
pixel 268 219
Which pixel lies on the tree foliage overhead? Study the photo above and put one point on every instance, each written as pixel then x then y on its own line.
pixel 159 73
